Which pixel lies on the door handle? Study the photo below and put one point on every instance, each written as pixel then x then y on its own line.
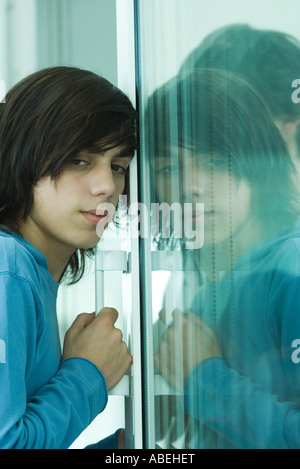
pixel 107 261
pixel 122 388
pixel 111 260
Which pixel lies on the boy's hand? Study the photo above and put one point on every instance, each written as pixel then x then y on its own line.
pixel 187 342
pixel 98 340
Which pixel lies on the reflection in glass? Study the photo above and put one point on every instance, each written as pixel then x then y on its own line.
pixel 211 140
pixel 269 60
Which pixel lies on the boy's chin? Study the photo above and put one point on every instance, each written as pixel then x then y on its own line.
pixel 89 244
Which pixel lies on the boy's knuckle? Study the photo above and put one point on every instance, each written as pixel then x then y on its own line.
pixel 106 322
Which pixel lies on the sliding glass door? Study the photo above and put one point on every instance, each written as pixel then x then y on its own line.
pixel 215 82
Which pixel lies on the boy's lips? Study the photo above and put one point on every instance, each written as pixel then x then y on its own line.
pixel 91 216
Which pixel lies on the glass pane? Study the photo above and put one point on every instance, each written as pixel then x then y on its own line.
pixel 219 115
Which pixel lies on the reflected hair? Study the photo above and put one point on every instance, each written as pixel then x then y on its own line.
pixel 269 60
pixel 49 117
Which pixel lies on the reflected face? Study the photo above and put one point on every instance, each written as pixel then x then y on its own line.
pixel 202 179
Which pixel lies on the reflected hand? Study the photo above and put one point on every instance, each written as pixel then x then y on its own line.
pixel 187 342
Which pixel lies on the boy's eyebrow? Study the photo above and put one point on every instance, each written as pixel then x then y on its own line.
pixel 125 153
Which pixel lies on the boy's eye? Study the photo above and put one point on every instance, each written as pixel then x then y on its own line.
pixel 78 162
pixel 119 169
pixel 214 164
pixel 168 170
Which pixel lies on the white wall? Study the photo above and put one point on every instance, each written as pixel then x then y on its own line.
pixel 40 33
pixel 173 28
pixel 18 44
pixel 79 33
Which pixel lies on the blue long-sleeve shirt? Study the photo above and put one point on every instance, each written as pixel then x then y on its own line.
pixel 250 398
pixel 44 402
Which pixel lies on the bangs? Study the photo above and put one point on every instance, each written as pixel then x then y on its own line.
pixel 97 134
pixel 103 139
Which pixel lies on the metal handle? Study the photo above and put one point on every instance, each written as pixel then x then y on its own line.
pixel 110 261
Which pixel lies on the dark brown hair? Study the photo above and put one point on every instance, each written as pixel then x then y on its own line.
pixel 49 117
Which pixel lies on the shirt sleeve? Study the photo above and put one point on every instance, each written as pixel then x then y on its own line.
pixel 65 405
pixel 244 413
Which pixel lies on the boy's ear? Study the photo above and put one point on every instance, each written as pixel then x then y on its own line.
pixel 287 128
pixel 290 127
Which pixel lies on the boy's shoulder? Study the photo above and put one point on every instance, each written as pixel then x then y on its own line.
pixel 15 257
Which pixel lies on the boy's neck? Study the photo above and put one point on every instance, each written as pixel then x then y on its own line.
pixel 219 260
pixel 57 256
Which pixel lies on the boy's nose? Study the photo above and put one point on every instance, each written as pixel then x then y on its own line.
pixel 102 182
pixel 195 182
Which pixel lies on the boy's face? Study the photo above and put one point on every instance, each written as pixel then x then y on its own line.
pixel 227 200
pixel 63 217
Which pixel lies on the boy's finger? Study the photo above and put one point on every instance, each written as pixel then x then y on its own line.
pixel 111 312
pixel 83 320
